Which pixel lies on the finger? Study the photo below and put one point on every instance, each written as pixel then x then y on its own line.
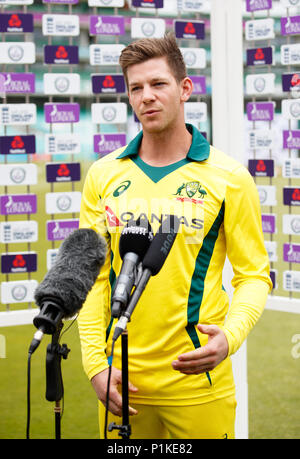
pixel 200 353
pixel 117 410
pixel 193 368
pixel 208 329
pixel 196 368
pixel 113 408
pixel 132 411
pixel 197 371
pixel 116 407
pixel 192 365
pixel 131 387
pixel 193 355
pixel 115 398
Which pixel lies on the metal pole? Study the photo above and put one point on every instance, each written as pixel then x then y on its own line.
pixel 228 136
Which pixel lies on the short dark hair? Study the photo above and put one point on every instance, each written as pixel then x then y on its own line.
pixel 149 48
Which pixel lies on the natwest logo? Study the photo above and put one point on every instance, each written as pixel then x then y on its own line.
pixel 19 261
pixel 109 82
pixel 14 21
pixel 295 81
pixel 259 54
pixel 296 195
pixel 189 28
pixel 61 52
pixel 145 3
pixel 261 167
pixel 17 142
pixel 291 196
pixel 63 170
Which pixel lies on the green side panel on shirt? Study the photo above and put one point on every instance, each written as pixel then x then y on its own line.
pixel 198 279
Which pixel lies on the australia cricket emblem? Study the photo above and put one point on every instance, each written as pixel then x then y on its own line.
pixel 191 188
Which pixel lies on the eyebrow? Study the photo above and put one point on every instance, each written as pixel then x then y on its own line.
pixel 153 80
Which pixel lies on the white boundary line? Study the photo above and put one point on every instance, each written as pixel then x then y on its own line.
pixel 26 316
pixel 282 304
pixel 21 317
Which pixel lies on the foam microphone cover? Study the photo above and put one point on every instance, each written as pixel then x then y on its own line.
pixel 77 266
pixel 136 237
pixel 161 245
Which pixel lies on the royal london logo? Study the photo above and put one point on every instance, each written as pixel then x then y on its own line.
pixel 191 190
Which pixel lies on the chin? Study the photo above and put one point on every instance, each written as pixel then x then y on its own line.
pixel 155 128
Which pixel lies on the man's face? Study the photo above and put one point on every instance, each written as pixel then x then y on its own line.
pixel 155 95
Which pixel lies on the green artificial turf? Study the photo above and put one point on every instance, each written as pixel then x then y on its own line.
pixel 79 420
pixel 273 379
pixel 274 376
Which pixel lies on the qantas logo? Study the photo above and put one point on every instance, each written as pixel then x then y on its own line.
pixel 125 217
pixel 112 218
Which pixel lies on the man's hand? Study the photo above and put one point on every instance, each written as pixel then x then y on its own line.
pixel 204 358
pixel 99 382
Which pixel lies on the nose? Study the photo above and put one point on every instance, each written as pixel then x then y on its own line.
pixel 148 94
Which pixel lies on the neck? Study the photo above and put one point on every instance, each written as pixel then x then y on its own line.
pixel 161 148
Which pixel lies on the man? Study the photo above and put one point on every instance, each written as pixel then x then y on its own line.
pixel 181 334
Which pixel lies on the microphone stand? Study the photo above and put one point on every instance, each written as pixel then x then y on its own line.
pixel 120 329
pixel 125 428
pixel 54 381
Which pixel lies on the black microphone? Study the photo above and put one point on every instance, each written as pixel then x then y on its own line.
pixel 66 285
pixel 151 265
pixel 134 243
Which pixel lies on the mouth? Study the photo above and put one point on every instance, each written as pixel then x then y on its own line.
pixel 150 112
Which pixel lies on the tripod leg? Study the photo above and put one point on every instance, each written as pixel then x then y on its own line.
pixel 125 396
pixel 57 412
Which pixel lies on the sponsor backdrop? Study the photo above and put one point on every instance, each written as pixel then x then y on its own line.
pixel 64 105
pixel 272 108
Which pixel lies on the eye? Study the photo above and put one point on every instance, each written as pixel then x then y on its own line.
pixel 135 88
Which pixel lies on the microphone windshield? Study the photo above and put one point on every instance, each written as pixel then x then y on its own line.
pixel 136 237
pixel 76 268
pixel 161 244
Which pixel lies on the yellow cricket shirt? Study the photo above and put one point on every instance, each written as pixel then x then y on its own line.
pixel 217 203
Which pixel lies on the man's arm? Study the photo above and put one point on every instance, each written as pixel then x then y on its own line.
pixel 247 254
pixel 94 316
pixel 99 383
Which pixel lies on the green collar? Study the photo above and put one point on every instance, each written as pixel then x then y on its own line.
pixel 199 150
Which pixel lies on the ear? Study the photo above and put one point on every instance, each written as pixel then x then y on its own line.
pixel 128 95
pixel 186 89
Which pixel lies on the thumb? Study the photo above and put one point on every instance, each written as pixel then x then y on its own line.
pixel 210 330
pixel 116 376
